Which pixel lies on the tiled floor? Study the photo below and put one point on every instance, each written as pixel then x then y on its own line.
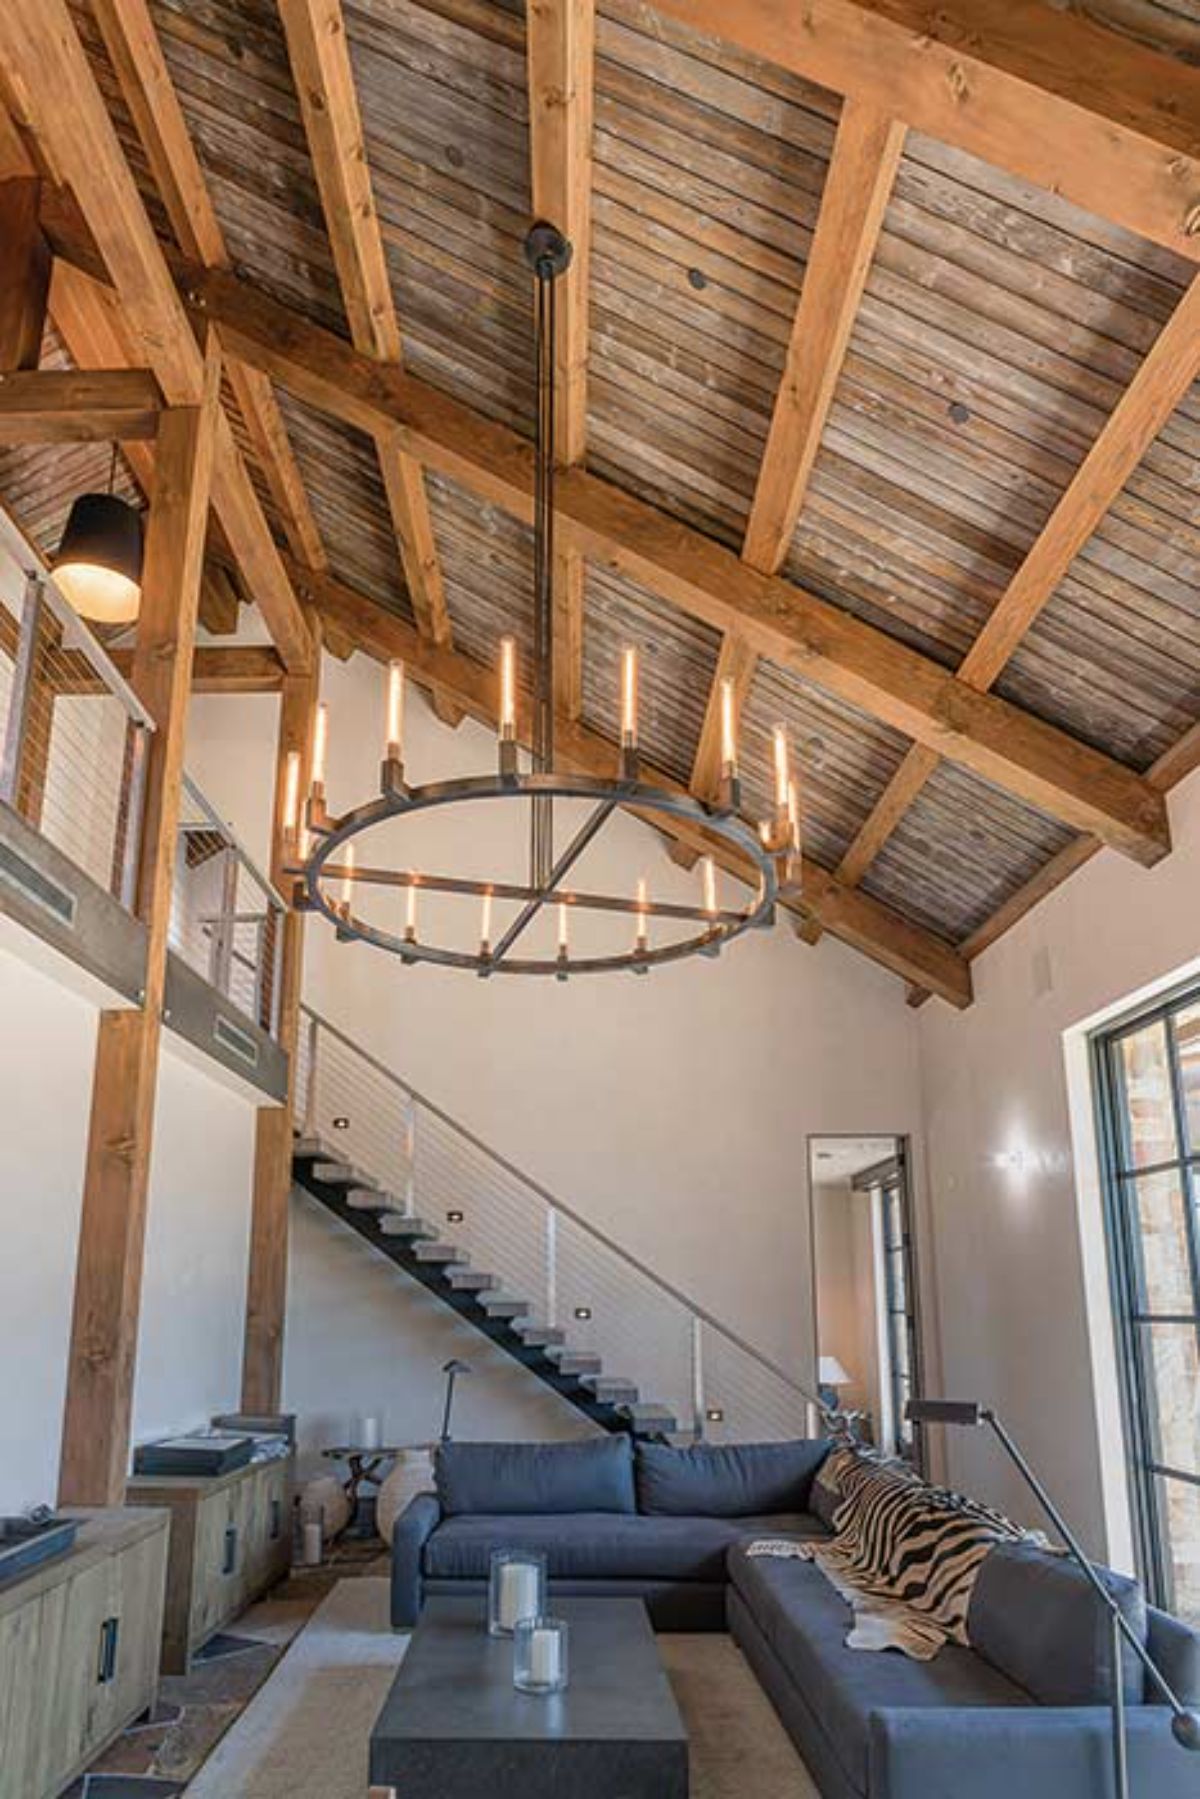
pixel 160 1754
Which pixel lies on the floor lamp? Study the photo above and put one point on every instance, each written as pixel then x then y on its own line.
pixel 1185 1724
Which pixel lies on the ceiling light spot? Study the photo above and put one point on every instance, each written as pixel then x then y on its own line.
pixel 958 412
pixel 697 279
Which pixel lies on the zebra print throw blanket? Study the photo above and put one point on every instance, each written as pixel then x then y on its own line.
pixel 904 1554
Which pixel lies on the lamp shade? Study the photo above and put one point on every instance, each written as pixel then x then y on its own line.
pixel 99 562
pixel 830 1372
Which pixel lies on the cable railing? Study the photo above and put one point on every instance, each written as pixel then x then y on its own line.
pixel 716 1385
pixel 73 735
pixel 226 917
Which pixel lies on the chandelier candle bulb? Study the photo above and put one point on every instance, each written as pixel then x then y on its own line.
pixel 643 936
pixel 508 689
pixel 291 794
pixel 410 914
pixel 629 699
pixel 728 729
pixel 708 873
pixel 783 772
pixel 348 876
pixel 395 712
pixel 485 928
pixel 320 754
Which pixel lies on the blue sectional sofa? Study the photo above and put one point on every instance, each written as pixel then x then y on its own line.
pixel 1023 1711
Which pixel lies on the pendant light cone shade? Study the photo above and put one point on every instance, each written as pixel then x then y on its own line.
pixel 99 562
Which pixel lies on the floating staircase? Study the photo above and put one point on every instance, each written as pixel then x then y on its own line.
pixel 507 1321
pixel 579 1312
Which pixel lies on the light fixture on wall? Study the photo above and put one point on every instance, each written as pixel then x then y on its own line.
pixel 99 560
pixel 322 847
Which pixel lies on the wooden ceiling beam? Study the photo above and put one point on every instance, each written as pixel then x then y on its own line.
pixel 560 40
pixel 817 639
pixel 321 68
pixel 78 406
pixel 1164 377
pixel 136 53
pixel 866 155
pixel 866 924
pixel 61 104
pixel 238 669
pixel 1055 98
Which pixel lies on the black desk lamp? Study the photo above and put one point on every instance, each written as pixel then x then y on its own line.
pixel 1185 1724
pixel 451 1369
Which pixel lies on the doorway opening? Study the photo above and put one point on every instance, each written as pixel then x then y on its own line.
pixel 866 1310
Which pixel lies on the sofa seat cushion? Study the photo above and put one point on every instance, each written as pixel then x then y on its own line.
pixel 603 1545
pixel 805 1623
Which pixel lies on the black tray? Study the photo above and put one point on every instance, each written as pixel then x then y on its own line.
pixel 203 1455
pixel 26 1542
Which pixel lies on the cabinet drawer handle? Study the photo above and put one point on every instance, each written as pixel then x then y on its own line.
pixel 276 1519
pixel 231 1538
pixel 109 1632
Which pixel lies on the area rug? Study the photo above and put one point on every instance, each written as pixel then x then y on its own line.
pixel 305 1733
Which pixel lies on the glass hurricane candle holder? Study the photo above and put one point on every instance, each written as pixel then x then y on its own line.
pixel 516 1590
pixel 540 1655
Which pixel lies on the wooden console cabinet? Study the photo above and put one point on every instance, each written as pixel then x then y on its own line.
pixel 79 1643
pixel 231 1539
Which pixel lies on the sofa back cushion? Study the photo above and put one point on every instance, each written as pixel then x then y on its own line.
pixel 1035 1618
pixel 727 1480
pixel 536 1477
pixel 1175 1647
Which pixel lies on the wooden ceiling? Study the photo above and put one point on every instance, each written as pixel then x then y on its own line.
pixel 878 370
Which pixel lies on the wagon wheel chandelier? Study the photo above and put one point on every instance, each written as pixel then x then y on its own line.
pixel 323 849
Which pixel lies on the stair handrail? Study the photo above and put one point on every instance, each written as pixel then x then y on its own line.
pixel 689 1304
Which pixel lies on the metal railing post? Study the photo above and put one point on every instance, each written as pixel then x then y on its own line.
pixel 21 696
pixel 410 1157
pixel 135 813
pixel 221 959
pixel 698 1408
pixel 310 1085
pixel 552 1266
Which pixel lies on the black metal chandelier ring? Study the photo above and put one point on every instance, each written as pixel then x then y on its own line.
pixel 397 800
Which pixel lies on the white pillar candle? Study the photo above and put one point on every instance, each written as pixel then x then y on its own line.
pixel 545 1656
pixel 313 1545
pixel 519 1596
pixel 371 1438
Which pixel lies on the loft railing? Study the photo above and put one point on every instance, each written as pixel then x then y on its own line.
pixel 74 735
pixel 226 917
pixel 718 1386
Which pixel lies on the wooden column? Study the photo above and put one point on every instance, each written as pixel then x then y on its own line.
pixel 96 1424
pixel 24 274
pixel 266 1285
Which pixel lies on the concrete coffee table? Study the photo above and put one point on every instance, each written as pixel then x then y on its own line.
pixel 454 1726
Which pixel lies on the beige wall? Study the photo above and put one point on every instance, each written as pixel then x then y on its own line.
pixel 1017 1244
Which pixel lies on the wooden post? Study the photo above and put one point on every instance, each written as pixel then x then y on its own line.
pixel 96 1423
pixel 266 1285
pixel 24 274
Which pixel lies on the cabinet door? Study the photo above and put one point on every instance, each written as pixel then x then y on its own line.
pixel 279 1521
pixel 20 1646
pixel 218 1555
pixel 75 1692
pixel 137 1611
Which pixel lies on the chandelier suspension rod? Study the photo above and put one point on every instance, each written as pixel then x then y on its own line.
pixel 549 254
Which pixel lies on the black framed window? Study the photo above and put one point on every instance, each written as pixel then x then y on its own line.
pixel 1148 1070
pixel 888 1183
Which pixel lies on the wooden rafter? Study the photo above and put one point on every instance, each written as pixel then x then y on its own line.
pixel 815 638
pixel 137 57
pixel 61 105
pixel 1166 373
pixel 320 58
pixel 866 155
pixel 1017 83
pixel 865 923
pixel 560 57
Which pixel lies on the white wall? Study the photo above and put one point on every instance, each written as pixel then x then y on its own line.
pixel 1014 1199
pixel 197 1244
pixel 46 1051
pixel 673 1111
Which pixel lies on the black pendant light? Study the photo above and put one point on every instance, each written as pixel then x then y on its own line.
pixel 99 561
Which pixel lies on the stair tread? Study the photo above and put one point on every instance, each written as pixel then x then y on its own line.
pixel 608 1385
pixel 308 1149
pixel 398 1224
pixel 471 1279
pixel 342 1174
pixel 371 1199
pixel 440 1252
pixel 538 1336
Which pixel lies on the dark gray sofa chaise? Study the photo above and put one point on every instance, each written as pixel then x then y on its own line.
pixel 1024 1711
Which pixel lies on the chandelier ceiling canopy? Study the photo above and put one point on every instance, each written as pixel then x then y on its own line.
pixel 325 849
